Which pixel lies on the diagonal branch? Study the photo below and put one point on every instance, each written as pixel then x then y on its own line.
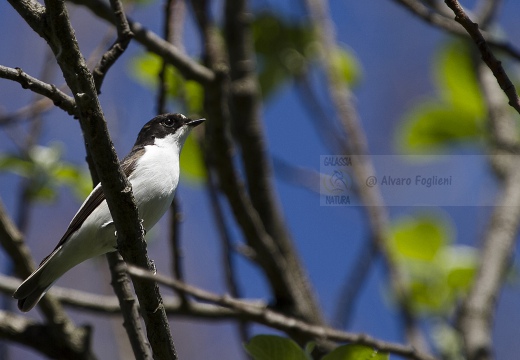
pixel 189 68
pixel 259 313
pixel 124 35
pixel 442 22
pixel 50 91
pixel 476 314
pixel 487 55
pixel 57 31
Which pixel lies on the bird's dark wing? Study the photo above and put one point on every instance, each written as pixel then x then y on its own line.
pixel 96 197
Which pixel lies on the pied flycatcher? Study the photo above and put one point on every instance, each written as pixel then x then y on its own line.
pixel 152 167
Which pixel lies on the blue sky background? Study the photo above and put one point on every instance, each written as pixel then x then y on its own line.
pixel 395 51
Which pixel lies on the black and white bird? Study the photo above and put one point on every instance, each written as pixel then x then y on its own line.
pixel 152 167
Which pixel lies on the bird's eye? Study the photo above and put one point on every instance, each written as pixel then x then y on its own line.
pixel 168 122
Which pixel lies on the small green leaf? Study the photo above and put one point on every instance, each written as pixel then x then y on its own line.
pixel 145 69
pixel 347 66
pixel 76 178
pixel 356 352
pixel 460 266
pixel 455 115
pixel 271 347
pixel 418 238
pixel 194 93
pixel 432 126
pixel 191 162
pixel 281 49
pixel 456 79
pixel 15 164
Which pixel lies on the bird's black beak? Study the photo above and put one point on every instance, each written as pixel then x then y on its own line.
pixel 194 123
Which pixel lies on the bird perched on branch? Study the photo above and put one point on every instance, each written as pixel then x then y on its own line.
pixel 152 167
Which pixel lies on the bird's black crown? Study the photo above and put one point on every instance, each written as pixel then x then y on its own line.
pixel 159 127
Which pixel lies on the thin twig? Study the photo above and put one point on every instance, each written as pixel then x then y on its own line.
pixel 447 24
pixel 124 35
pixel 227 248
pixel 487 55
pixel 189 68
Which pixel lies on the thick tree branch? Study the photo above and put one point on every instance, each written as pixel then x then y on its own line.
pixel 40 337
pixel 295 294
pixel 57 31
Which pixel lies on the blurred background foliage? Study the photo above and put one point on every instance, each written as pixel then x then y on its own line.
pixel 438 271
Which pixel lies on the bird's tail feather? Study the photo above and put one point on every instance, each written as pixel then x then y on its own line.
pixel 34 287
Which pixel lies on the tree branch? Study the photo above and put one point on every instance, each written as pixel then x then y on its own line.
pixel 124 35
pixel 129 307
pixel 362 167
pixel 277 320
pixel 59 98
pixel 444 23
pixel 296 295
pixel 58 33
pixel 40 337
pixel 76 340
pixel 152 42
pixel 476 314
pixel 487 56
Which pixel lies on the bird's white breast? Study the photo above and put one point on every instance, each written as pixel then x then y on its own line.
pixel 155 179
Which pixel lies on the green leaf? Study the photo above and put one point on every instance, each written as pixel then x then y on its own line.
pixel 356 352
pixel 15 164
pixel 456 114
pixel 271 347
pixel 191 162
pixel 347 66
pixel 194 93
pixel 77 179
pixel 431 126
pixel 418 238
pixel 145 69
pixel 456 79
pixel 282 50
pixel 460 266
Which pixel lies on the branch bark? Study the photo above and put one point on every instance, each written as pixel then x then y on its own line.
pixel 52 23
pixel 296 293
pixel 50 91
